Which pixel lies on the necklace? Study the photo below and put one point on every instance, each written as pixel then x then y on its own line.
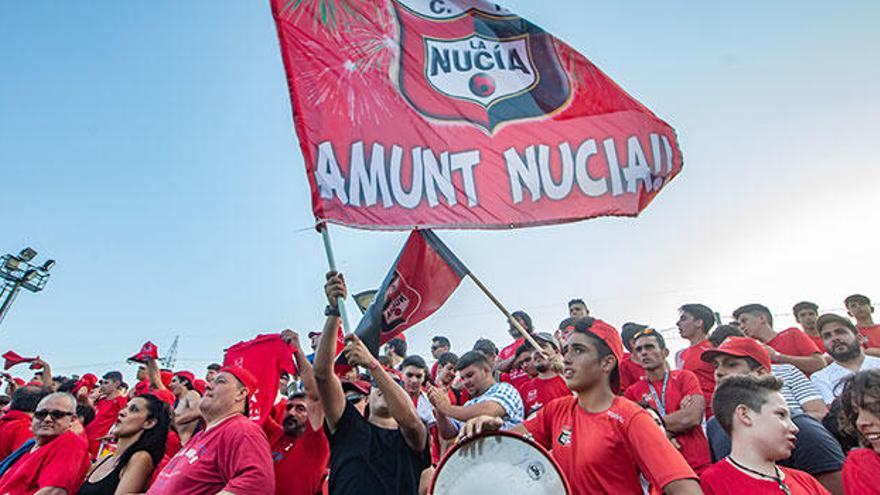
pixel 777 478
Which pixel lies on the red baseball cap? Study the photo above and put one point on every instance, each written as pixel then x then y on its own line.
pixel 166 377
pixel 361 386
pixel 608 334
pixel 740 347
pixel 186 374
pixel 148 351
pixel 200 386
pixel 244 376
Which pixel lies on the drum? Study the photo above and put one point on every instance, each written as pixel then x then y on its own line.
pixel 500 463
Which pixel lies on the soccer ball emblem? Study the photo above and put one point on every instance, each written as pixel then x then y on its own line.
pixel 482 84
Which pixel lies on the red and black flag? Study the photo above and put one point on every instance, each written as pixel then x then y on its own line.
pixel 422 278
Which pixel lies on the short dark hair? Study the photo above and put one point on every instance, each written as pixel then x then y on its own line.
pixel 441 341
pixel 700 312
pixel 721 334
pixel 522 349
pixel 297 395
pixel 113 375
pixel 214 367
pixel 576 301
pixel 527 320
pixel 857 299
pixel 447 358
pixel 733 391
pixel 833 318
pixel 582 327
pixel 86 412
pixel 26 398
pixel 650 332
pixel 797 308
pixel 414 360
pixel 399 346
pixel 472 358
pixel 756 310
pixel 486 346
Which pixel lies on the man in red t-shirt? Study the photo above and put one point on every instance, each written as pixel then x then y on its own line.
pixel 754 413
pixel 675 395
pixel 694 323
pixel 806 314
pixel 59 459
pixel 548 383
pixel 787 347
pixel 630 369
pixel 110 401
pixel 601 441
pixel 507 356
pixel 231 455
pixel 439 346
pixel 300 451
pixel 859 307
pixel 15 425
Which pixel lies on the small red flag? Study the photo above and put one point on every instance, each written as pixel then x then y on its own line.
pixel 425 274
pixel 11 358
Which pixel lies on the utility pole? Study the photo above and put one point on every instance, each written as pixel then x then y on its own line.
pixel 170 358
pixel 19 272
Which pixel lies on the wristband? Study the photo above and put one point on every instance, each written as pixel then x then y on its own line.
pixel 331 311
pixel 373 365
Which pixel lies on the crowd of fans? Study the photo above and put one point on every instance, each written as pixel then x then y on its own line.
pixel 744 409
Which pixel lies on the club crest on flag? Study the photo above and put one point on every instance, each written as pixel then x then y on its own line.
pixel 400 303
pixel 472 61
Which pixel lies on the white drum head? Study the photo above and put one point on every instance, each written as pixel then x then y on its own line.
pixel 500 463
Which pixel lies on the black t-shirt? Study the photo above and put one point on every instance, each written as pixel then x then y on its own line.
pixel 366 459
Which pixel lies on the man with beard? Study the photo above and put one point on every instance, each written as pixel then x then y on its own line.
pixel 844 344
pixel 547 384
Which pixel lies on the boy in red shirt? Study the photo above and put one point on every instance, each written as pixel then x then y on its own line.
pixel 694 323
pixel 806 314
pixel 753 412
pixel 107 407
pixel 860 308
pixel 602 441
pixel 630 369
pixel 790 346
pixel 675 395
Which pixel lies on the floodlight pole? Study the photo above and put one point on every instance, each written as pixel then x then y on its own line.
pixel 7 303
pixel 18 272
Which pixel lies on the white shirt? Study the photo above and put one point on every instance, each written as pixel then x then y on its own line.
pixel 425 410
pixel 828 378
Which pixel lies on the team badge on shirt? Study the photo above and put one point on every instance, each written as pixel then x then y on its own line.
pixel 564 437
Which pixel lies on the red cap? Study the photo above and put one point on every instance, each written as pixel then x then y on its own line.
pixel 186 374
pixel 166 377
pixel 740 347
pixel 610 336
pixel 148 351
pixel 244 376
pixel 361 386
pixel 88 381
pixel 164 395
pixel 200 386
pixel 11 358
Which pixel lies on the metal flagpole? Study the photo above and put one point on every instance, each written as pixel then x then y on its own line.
pixel 331 260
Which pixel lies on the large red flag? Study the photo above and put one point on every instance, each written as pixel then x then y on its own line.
pixel 422 278
pixel 265 357
pixel 458 113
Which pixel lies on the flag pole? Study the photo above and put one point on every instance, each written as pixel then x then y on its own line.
pixel 331 260
pixel 513 321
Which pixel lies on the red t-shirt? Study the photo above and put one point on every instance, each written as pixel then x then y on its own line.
pixel 510 351
pixel 722 478
pixel 630 371
pixel 517 377
pixel 538 392
pixel 690 360
pixel 820 344
pixel 61 463
pixel 15 429
pixel 605 452
pixel 233 455
pixel 300 463
pixel 106 413
pixel 434 370
pixel 861 471
pixel 872 334
pixel 793 342
pixel 694 446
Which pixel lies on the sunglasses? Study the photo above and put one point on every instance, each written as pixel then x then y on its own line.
pixel 41 414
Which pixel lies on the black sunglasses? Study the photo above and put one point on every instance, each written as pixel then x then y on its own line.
pixel 41 414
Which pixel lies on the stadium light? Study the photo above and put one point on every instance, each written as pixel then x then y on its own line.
pixel 18 273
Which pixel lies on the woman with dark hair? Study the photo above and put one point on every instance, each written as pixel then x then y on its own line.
pixel 860 416
pixel 141 432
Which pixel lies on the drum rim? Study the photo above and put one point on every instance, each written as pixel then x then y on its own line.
pixel 498 433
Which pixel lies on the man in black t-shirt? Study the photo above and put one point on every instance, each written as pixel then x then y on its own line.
pixel 385 453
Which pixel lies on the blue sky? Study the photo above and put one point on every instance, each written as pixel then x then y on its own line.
pixel 149 149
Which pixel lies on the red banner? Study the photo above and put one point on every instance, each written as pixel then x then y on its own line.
pixel 459 114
